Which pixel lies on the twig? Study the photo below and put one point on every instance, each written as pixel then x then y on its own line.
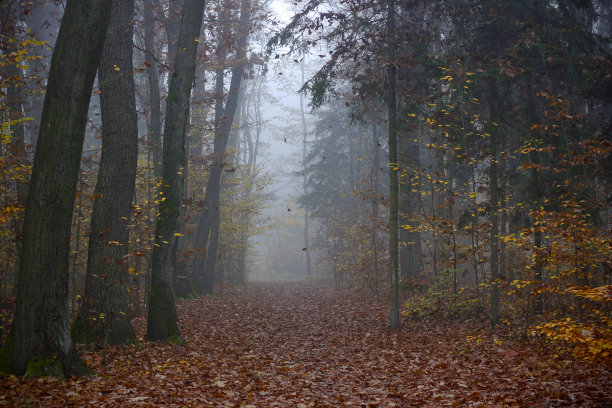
pixel 153 56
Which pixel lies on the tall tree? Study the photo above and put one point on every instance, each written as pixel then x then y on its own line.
pixel 410 252
pixel 162 310
pixel 13 80
pixel 171 22
pixel 41 19
pixel 391 91
pixel 103 316
pixel 494 201
pixel 375 198
pixel 154 93
pixel 39 342
pixel 207 234
pixel 304 143
pixel 208 225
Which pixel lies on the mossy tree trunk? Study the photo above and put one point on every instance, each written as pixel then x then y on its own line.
pixel 103 316
pixel 39 342
pixel 161 321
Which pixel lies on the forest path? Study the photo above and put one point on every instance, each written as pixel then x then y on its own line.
pixel 302 344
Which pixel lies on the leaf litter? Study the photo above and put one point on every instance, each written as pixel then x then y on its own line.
pixel 303 344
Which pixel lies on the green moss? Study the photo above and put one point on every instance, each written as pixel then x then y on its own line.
pixel 195 286
pixel 43 367
pixel 7 364
pixel 162 324
pixel 175 338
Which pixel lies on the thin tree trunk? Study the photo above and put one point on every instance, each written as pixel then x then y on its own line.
pixel 172 25
pixel 374 182
pixel 205 281
pixel 14 96
pixel 410 252
pixel 103 316
pixel 77 248
pixel 258 122
pixel 394 318
pixel 205 262
pixel 304 144
pixel 154 94
pixel 13 79
pixel 535 194
pixel 39 342
pixel 161 323
pixel 41 20
pixel 211 254
pixel 494 195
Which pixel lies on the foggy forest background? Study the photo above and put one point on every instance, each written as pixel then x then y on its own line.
pixel 451 158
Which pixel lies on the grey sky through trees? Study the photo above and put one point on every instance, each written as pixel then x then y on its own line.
pixel 282 159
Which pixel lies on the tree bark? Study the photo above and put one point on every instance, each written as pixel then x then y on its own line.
pixel 154 93
pixel 13 78
pixel 103 316
pixel 410 252
pixel 494 197
pixel 41 19
pixel 374 182
pixel 204 263
pixel 535 194
pixel 172 24
pixel 162 324
pixel 304 143
pixel 39 342
pixel 394 320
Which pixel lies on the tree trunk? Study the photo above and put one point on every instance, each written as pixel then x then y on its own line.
pixel 394 320
pixel 205 262
pixel 206 281
pixel 211 254
pixel 154 94
pixel 494 198
pixel 374 182
pixel 172 26
pixel 39 342
pixel 41 19
pixel 15 99
pixel 162 310
pixel 410 252
pixel 535 193
pixel 103 316
pixel 304 143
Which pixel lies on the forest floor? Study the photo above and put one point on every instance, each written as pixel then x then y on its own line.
pixel 301 344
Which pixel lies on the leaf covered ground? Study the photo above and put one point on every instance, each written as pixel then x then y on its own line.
pixel 306 345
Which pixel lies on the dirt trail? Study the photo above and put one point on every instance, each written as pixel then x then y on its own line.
pixel 302 344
